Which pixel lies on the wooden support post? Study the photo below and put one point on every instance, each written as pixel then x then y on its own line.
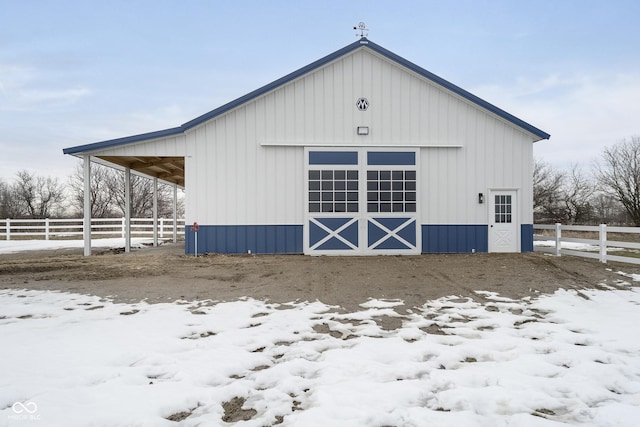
pixel 86 222
pixel 155 212
pixel 175 213
pixel 127 210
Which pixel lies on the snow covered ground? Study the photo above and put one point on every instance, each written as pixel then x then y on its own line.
pixel 76 360
pixel 579 246
pixel 14 246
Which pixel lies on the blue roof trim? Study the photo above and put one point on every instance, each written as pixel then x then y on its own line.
pixel 122 141
pixel 364 43
pixel 459 91
pixel 218 111
pixel 273 85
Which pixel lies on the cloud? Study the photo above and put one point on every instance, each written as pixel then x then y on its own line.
pixel 12 77
pixel 67 96
pixel 21 90
pixel 583 112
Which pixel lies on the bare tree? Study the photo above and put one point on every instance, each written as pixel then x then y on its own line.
pixel 560 196
pixel 108 194
pixel 101 197
pixel 4 198
pixel 141 194
pixel 8 204
pixel 547 185
pixel 619 174
pixel 608 210
pixel 165 202
pixel 38 196
pixel 576 194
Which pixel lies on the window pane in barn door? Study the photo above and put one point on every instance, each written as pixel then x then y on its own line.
pixel 333 188
pixel 397 186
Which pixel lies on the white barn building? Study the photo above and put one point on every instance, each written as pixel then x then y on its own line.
pixel 361 152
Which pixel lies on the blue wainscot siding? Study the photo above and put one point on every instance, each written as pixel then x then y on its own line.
pixel 288 239
pixel 240 239
pixel 526 238
pixel 458 238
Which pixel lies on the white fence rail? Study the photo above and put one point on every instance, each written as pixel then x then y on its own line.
pixel 74 228
pixel 599 248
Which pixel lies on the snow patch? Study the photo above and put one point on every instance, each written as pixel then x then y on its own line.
pixel 83 360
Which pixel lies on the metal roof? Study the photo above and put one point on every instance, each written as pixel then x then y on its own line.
pixel 362 43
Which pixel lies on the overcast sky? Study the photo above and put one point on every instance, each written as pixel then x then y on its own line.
pixel 77 72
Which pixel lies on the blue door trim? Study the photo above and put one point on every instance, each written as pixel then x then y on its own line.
pixel 381 231
pixel 333 233
pixel 333 157
pixel 383 158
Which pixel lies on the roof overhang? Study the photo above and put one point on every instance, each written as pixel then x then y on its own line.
pixel 167 169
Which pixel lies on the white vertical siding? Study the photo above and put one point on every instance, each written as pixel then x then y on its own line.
pixel 246 166
pixel 233 180
pixel 499 158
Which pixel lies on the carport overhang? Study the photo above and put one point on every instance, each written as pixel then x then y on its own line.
pixel 167 169
pixel 164 169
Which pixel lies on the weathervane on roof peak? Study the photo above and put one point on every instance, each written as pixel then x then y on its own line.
pixel 364 31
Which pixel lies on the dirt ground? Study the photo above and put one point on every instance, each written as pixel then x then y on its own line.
pixel 165 274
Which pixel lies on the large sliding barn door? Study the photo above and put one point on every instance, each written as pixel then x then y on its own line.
pixel 361 202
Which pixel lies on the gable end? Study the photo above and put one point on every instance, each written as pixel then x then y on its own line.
pixel 362 43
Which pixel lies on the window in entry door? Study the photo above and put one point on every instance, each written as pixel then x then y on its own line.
pixel 502 207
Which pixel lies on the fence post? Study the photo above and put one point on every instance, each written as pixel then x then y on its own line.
pixel 603 243
pixel 8 229
pixel 161 228
pixel 123 226
pixel 46 229
pixel 558 238
pixel 175 229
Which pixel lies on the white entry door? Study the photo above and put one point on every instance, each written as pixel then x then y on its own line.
pixel 503 222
